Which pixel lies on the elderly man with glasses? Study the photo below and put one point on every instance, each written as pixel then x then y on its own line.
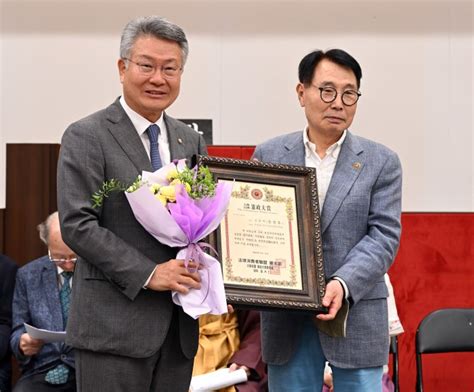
pixel 41 299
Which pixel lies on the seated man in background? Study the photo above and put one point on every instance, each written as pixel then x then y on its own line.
pixel 41 299
pixel 7 283
pixel 232 340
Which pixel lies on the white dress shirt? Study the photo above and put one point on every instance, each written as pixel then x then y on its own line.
pixel 61 278
pixel 141 124
pixel 324 170
pixel 325 166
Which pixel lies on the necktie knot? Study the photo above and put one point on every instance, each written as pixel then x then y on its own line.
pixel 67 276
pixel 153 130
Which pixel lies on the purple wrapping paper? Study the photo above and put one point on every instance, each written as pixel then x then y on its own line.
pixel 186 223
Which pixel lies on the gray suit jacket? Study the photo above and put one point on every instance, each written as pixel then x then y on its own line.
pixel 111 312
pixel 36 302
pixel 360 223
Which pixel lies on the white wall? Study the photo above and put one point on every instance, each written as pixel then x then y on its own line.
pixel 58 64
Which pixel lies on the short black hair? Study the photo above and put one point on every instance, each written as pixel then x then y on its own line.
pixel 309 63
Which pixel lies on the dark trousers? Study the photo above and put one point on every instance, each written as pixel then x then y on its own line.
pixel 36 383
pixel 166 371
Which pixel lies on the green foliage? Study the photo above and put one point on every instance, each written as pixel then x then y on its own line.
pixel 201 182
pixel 135 185
pixel 108 187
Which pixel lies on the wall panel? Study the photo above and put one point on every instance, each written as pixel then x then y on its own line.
pixel 2 232
pixel 416 57
pixel 30 197
pixel 434 269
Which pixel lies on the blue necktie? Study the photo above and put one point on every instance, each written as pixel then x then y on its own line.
pixel 153 131
pixel 65 295
pixel 60 373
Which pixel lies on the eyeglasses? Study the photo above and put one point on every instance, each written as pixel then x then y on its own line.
pixel 329 94
pixel 168 71
pixel 61 261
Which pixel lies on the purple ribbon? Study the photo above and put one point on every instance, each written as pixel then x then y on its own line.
pixel 194 252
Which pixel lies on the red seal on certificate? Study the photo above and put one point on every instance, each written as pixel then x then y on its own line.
pixel 257 194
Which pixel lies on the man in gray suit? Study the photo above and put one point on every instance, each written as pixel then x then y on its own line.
pixel 359 189
pixel 128 333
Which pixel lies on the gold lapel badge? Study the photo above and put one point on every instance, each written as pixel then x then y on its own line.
pixel 180 141
pixel 356 165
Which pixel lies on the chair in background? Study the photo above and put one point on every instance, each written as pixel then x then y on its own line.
pixel 394 352
pixel 443 331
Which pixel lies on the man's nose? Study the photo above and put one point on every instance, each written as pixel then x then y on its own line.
pixel 337 103
pixel 68 265
pixel 157 76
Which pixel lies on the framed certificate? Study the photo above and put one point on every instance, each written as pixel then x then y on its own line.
pixel 269 242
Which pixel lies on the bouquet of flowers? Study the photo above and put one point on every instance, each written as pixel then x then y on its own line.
pixel 179 207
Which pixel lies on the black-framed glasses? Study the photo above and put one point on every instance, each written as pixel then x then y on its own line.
pixel 329 94
pixel 148 69
pixel 61 261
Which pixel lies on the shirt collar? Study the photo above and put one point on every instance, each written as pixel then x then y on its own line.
pixel 333 150
pixel 139 122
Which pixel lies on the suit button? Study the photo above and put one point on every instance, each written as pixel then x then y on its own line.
pixel 63 356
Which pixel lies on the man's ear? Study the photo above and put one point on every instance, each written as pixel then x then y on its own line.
pixel 300 91
pixel 122 68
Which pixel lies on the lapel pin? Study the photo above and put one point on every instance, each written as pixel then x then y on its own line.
pixel 356 165
pixel 180 141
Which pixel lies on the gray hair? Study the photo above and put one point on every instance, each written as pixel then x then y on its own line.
pixel 155 26
pixel 44 227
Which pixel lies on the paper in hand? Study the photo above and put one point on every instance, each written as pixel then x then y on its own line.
pixel 218 379
pixel 45 335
